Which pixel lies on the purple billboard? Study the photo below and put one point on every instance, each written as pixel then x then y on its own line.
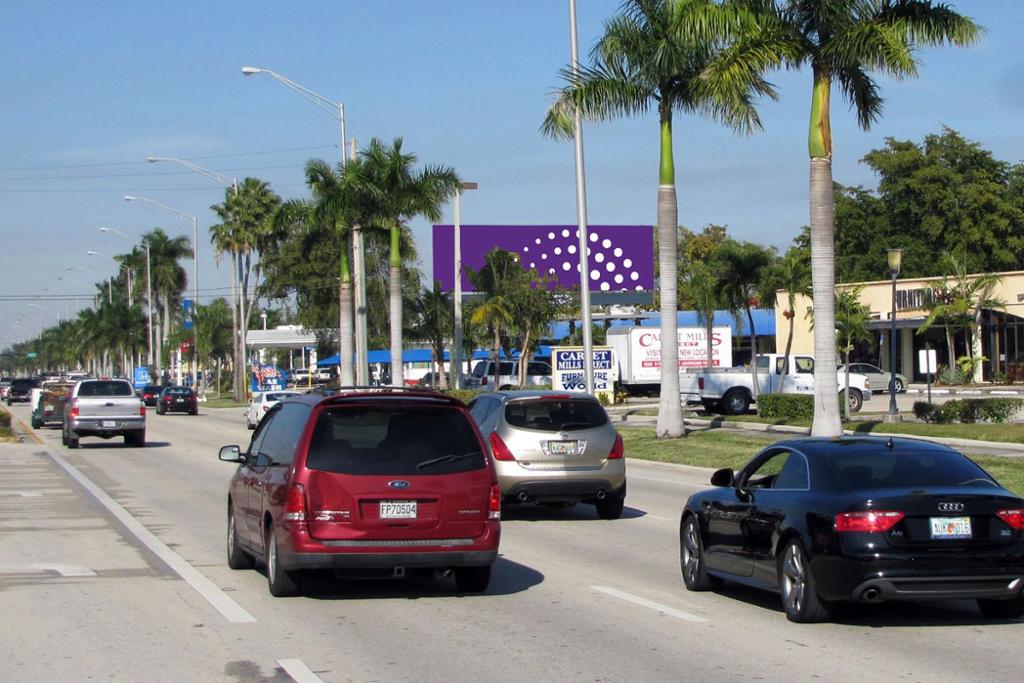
pixel 621 257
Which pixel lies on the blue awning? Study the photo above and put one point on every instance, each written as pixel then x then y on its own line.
pixel 764 322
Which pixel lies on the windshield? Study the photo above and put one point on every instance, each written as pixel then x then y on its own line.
pixel 394 440
pixel 550 415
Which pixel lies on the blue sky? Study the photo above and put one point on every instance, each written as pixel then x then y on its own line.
pixel 91 89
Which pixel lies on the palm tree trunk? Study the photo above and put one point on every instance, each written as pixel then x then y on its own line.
pixel 236 379
pixel 497 357
pixel 846 384
pixel 395 300
pixel 789 339
pixel 524 357
pixel 823 263
pixel 709 326
pixel 670 408
pixel 243 327
pixel 753 358
pixel 346 345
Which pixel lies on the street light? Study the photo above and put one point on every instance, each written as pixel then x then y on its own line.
pixel 337 110
pixel 149 290
pixel 581 215
pixel 457 337
pixel 895 258
pixel 239 343
pixel 195 263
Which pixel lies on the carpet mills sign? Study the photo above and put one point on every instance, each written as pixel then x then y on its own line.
pixel 570 375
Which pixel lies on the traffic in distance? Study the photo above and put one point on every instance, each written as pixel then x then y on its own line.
pixel 386 481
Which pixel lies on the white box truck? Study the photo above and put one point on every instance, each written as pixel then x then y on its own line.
pixel 638 352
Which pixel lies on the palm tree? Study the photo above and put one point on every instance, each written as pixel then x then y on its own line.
pixel 495 313
pixel 843 41
pixel 435 324
pixel 167 276
pixel 793 274
pixel 703 288
pixel 744 265
pixel 394 194
pixel 655 55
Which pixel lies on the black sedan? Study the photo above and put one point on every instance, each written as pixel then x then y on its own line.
pixel 177 399
pixel 858 519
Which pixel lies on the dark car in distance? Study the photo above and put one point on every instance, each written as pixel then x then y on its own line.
pixel 20 390
pixel 371 482
pixel 150 393
pixel 858 519
pixel 177 400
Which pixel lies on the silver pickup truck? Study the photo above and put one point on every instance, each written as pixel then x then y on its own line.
pixel 105 408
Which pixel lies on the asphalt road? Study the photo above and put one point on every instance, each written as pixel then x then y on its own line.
pixel 112 566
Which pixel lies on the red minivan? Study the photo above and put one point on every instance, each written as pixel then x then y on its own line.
pixel 369 480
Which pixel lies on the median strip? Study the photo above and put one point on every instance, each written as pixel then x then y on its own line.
pixel 299 672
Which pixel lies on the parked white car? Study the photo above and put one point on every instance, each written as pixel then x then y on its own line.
pixel 261 403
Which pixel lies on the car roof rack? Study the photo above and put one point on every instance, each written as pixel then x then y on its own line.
pixel 356 392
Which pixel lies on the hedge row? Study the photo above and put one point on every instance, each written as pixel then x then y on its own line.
pixel 968 411
pixel 5 423
pixel 786 406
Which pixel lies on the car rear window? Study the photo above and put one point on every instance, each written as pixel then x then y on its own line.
pixel 178 391
pixel 394 440
pixel 555 415
pixel 276 397
pixel 102 388
pixel 886 469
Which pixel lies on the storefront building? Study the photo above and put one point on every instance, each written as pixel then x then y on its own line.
pixel 1001 338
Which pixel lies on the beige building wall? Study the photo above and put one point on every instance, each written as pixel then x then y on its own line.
pixel 877 296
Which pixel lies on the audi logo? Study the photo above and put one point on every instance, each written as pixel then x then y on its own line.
pixel 951 507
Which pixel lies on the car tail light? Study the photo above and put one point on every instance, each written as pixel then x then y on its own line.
pixel 700 383
pixel 869 521
pixel 266 408
pixel 618 450
pixel 498 448
pixel 295 503
pixel 74 408
pixel 142 410
pixel 483 381
pixel 556 397
pixel 1014 518
pixel 494 505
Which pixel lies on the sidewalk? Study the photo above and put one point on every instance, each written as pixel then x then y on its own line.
pixel 970 390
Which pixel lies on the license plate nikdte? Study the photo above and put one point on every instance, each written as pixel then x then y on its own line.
pixel 951 527
pixel 398 509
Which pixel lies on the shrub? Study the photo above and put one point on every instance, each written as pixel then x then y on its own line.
pixel 968 411
pixel 5 423
pixel 464 395
pixel 950 375
pixel 786 406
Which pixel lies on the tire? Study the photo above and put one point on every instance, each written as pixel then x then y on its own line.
pixel 63 437
pixel 472 579
pixel 193 412
pixel 611 507
pixel 135 439
pixel 856 400
pixel 36 423
pixel 1002 609
pixel 250 425
pixel 237 558
pixel 71 440
pixel 899 385
pixel 735 402
pixel 691 558
pixel 800 601
pixel 282 584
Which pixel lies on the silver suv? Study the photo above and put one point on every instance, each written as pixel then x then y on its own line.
pixel 553 447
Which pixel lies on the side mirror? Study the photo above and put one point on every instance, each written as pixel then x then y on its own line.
pixel 722 477
pixel 231 454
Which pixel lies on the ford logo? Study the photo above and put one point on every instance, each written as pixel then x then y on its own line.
pixel 398 484
pixel 951 507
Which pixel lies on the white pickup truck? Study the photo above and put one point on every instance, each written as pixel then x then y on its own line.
pixel 105 408
pixel 730 390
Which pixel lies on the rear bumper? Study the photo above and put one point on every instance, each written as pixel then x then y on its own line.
pixel 297 550
pixel 555 490
pixel 979 574
pixel 94 426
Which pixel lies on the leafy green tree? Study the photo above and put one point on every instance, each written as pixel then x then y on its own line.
pixel 792 273
pixel 843 41
pixel 395 193
pixel 655 55
pixel 433 324
pixel 852 318
pixel 745 266
pixel 500 279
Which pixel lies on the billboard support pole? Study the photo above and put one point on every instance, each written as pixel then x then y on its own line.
pixel 581 213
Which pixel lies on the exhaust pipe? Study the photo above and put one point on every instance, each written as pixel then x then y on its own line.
pixel 523 496
pixel 601 494
pixel 871 594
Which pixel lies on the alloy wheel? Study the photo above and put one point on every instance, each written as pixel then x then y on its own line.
pixel 794 579
pixel 691 553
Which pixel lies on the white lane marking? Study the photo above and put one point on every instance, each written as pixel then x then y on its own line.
pixel 649 604
pixel 666 481
pixel 60 568
pixel 230 609
pixel 660 519
pixel 299 672
pixel 22 494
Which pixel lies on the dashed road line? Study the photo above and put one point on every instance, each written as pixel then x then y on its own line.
pixel 649 604
pixel 299 672
pixel 220 601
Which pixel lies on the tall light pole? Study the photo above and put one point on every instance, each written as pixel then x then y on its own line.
pixel 337 110
pixel 581 213
pixel 149 290
pixel 239 343
pixel 895 258
pixel 457 295
pixel 195 270
pixel 110 286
